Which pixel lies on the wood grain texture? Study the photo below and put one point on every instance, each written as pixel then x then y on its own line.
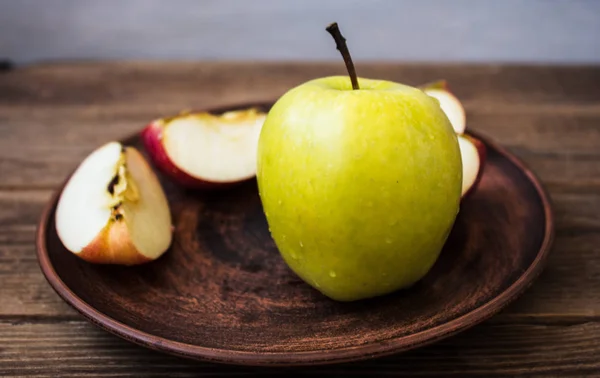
pixel 51 116
pixel 19 211
pixel 185 84
pixel 74 349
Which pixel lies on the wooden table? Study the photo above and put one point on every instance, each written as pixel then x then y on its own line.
pixel 51 116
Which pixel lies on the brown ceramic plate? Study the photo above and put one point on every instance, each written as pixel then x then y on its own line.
pixel 222 293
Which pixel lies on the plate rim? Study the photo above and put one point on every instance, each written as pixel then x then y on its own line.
pixel 314 357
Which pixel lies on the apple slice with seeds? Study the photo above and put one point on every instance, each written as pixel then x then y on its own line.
pixel 113 209
pixel 204 150
pixel 449 104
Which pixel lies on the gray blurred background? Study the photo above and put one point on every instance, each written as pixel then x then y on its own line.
pixel 530 31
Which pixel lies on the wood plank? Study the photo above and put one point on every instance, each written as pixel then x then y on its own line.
pixel 149 82
pixel 24 288
pixel 76 348
pixel 19 216
pixel 567 289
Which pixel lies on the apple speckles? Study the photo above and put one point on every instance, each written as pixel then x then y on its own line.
pixel 332 274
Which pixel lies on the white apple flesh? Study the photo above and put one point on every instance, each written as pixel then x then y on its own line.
pixel 449 104
pixel 203 150
pixel 473 155
pixel 113 209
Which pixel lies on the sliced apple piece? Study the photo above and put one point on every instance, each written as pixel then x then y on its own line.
pixel 204 150
pixel 473 154
pixel 449 104
pixel 113 209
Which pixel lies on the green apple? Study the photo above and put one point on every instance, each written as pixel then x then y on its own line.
pixel 360 188
pixel 360 182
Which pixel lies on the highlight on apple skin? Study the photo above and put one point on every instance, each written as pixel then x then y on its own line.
pixel 473 154
pixel 113 209
pixel 204 150
pixel 449 103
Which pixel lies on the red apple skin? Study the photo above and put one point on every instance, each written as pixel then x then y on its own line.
pixel 482 152
pixel 152 138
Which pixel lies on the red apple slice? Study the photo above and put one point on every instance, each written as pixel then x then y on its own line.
pixel 449 104
pixel 203 150
pixel 473 154
pixel 113 209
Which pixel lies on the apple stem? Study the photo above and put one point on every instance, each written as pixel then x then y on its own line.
pixel 340 44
